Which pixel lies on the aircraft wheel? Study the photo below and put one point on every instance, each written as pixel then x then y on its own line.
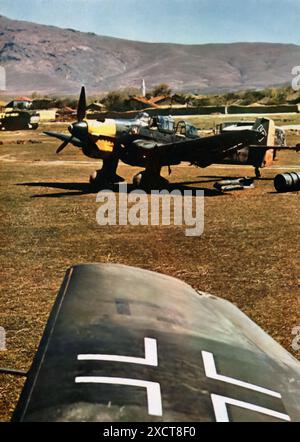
pixel 137 180
pixel 148 181
pixel 98 182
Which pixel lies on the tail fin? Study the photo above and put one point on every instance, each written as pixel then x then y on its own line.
pixel 266 127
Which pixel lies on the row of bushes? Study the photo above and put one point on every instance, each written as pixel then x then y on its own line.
pixel 204 110
pixel 120 100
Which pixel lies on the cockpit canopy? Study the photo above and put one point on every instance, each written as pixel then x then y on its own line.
pixel 143 118
pixel 167 124
pixel 186 129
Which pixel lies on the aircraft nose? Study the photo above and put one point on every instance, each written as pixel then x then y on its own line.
pixel 79 130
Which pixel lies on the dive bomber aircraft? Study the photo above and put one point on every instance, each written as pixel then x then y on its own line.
pixel 153 143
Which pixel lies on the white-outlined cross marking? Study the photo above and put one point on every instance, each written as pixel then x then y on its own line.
pixel 219 402
pixel 153 388
pixel 221 413
pixel 149 359
pixel 211 372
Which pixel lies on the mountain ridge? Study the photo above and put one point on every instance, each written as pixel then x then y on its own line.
pixel 47 59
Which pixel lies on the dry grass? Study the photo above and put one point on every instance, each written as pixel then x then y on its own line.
pixel 248 254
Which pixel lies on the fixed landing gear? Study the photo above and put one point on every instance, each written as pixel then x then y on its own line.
pixel 100 180
pixel 149 180
pixel 106 176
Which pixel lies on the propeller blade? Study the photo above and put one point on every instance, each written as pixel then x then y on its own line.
pixel 63 145
pixel 81 108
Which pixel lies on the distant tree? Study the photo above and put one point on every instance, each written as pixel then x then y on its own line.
pixel 131 91
pixel 205 101
pixel 162 89
pixel 230 98
pixel 116 101
pixel 180 98
pixel 62 102
pixel 251 96
pixel 268 96
pixel 35 95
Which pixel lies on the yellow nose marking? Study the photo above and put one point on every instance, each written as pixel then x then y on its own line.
pixel 105 145
pixel 107 128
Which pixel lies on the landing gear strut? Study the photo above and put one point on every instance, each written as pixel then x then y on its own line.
pixel 106 176
pixel 150 179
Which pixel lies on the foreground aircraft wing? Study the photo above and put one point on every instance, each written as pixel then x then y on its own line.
pixel 208 150
pixel 125 344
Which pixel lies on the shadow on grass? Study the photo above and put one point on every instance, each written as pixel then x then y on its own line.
pixel 78 189
pixel 226 177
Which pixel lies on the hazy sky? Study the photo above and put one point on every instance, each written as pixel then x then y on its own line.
pixel 180 21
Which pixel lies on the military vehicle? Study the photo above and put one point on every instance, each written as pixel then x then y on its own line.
pixel 19 120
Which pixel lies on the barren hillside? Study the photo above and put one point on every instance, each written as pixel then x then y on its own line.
pixel 49 59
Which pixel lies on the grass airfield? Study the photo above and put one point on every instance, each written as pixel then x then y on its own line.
pixel 248 254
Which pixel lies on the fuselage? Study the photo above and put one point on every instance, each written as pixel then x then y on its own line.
pixel 136 141
pixel 132 140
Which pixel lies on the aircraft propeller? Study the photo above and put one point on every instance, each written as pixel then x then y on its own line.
pixel 81 107
pixel 63 145
pixel 79 128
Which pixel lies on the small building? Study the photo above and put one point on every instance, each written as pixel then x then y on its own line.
pixel 20 103
pixel 169 101
pixel 43 103
pixel 65 114
pixel 47 114
pixel 157 102
pixel 161 100
pixel 96 107
pixel 140 103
